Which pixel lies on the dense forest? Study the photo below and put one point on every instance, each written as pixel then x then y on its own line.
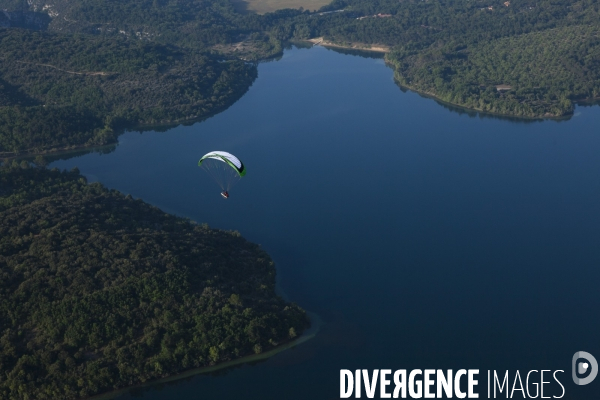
pixel 550 70
pixel 61 91
pixel 100 291
pixel 196 22
pixel 96 68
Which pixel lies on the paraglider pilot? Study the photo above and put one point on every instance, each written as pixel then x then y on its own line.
pixel 225 168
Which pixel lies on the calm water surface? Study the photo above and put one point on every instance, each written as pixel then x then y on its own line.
pixel 424 238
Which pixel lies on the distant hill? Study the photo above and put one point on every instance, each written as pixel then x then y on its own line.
pixel 203 21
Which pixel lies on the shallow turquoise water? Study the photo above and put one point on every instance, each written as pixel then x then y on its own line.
pixel 423 237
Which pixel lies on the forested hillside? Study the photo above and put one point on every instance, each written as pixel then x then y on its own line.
pixel 98 67
pixel 543 54
pixel 99 291
pixel 550 69
pixel 65 91
pixel 200 22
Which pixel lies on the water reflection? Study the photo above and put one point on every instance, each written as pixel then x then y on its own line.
pixel 358 53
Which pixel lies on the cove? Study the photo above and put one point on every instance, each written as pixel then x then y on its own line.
pixel 423 236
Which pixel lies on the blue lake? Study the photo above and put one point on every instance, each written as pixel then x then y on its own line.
pixel 423 237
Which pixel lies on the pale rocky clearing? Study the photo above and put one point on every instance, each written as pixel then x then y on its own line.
pixel 265 6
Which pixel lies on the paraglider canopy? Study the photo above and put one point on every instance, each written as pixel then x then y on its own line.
pixel 225 168
pixel 227 158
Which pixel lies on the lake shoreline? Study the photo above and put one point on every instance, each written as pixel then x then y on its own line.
pixel 118 131
pixel 433 96
pixel 308 334
pixel 320 41
pixel 7 156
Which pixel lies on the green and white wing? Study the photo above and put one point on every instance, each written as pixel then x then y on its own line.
pixel 227 158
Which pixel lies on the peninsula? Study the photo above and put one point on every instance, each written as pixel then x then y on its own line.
pixel 101 291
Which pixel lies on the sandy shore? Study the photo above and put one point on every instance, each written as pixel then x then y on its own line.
pixel 355 46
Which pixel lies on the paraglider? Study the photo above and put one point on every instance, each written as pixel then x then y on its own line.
pixel 225 168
